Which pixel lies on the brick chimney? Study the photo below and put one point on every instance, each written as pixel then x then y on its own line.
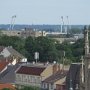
pixel 56 67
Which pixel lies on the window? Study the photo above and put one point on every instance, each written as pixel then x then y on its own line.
pixel 38 80
pixel 44 85
pixel 31 79
pixel 51 86
pixel 48 85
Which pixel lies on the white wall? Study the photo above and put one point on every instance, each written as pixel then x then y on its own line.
pixel 5 52
pixel 23 79
pixel 14 62
pixel 24 60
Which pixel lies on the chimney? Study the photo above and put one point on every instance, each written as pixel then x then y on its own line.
pixel 6 60
pixel 56 68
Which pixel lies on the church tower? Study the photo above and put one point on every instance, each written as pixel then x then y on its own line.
pixel 87 58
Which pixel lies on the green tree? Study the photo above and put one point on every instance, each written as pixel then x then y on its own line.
pixel 45 46
pixel 30 46
pixel 29 88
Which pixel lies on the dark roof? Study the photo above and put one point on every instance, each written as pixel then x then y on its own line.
pixel 57 76
pixel 30 70
pixel 8 76
pixel 73 76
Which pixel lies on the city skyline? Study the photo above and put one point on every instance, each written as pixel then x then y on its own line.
pixel 45 11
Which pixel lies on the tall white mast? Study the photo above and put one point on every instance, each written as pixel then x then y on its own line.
pixel 12 22
pixel 67 24
pixel 62 24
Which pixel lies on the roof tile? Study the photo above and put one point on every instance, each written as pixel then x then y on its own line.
pixel 30 70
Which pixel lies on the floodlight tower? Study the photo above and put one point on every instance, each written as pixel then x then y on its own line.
pixel 62 24
pixel 12 22
pixel 67 24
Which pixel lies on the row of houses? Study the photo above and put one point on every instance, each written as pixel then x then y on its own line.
pixel 50 77
pixel 15 70
pixel 43 76
pixel 9 58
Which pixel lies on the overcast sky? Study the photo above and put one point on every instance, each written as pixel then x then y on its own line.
pixel 45 11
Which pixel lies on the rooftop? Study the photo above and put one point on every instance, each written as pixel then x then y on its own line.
pixel 8 76
pixel 57 76
pixel 3 64
pixel 30 70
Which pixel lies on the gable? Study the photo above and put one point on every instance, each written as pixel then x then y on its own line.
pixel 5 52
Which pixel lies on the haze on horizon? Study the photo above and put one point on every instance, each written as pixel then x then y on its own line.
pixel 45 11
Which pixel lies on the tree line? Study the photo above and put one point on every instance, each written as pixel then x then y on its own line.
pixel 49 49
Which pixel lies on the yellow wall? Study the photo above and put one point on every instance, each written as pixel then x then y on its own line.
pixel 47 72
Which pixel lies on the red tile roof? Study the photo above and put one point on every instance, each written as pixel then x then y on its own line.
pixel 2 86
pixel 31 70
pixel 8 59
pixel 3 65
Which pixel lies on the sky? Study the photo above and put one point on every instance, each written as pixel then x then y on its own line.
pixel 45 11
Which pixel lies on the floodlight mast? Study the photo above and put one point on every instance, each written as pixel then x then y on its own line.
pixel 62 24
pixel 12 22
pixel 67 25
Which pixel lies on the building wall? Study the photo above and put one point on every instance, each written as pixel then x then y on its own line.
pixel 49 86
pixel 27 33
pixel 28 80
pixel 24 33
pixel 61 40
pixel 14 61
pixel 60 87
pixel 12 32
pixel 24 60
pixel 52 86
pixel 5 53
